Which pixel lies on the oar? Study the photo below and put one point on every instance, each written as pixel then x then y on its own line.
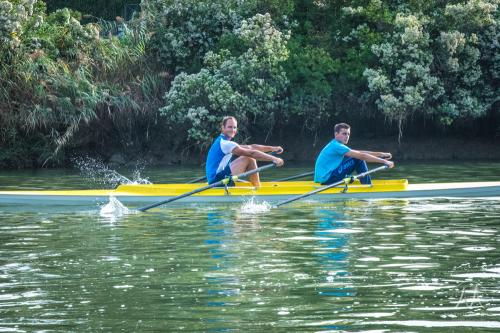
pixel 225 181
pixel 197 180
pixel 205 177
pixel 302 175
pixel 324 188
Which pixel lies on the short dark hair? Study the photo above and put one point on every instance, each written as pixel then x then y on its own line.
pixel 338 127
pixel 225 119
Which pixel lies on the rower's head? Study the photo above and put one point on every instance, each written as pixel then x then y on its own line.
pixel 229 126
pixel 342 132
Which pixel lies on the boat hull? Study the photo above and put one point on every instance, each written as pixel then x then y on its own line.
pixel 271 192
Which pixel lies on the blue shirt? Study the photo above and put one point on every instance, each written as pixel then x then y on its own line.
pixel 328 160
pixel 219 156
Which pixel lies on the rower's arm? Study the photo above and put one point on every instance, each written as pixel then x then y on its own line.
pixel 264 149
pixel 384 155
pixel 361 155
pixel 258 155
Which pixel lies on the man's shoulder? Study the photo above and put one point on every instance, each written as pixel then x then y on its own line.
pixel 226 142
pixel 335 146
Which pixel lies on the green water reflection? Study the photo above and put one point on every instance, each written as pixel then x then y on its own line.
pixel 354 266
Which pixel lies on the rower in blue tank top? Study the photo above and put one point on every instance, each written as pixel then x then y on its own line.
pixel 219 160
pixel 336 160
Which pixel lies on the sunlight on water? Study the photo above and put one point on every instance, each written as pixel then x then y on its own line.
pixel 430 323
pixel 351 266
pixel 98 172
pixel 255 207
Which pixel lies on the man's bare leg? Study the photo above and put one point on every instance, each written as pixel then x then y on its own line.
pixel 244 164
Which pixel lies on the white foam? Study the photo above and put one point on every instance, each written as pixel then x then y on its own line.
pixel 114 208
pixel 254 207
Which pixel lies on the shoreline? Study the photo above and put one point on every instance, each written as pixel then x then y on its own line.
pixel 431 149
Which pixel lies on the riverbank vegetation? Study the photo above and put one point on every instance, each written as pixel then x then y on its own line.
pixel 287 69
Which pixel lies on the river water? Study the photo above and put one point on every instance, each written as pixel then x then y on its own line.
pixel 428 265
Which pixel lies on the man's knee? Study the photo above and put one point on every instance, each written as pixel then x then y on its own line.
pixel 250 161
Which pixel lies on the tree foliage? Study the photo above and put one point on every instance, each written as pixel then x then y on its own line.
pixel 58 77
pixel 250 86
pixel 106 10
pixel 65 85
pixel 441 66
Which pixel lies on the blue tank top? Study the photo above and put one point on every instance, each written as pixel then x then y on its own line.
pixel 219 156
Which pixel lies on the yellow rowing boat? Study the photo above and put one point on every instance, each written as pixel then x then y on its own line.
pixel 269 191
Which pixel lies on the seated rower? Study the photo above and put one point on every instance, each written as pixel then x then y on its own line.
pixel 219 164
pixel 336 160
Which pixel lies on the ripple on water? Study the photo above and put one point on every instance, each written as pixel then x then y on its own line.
pixel 426 287
pixel 344 231
pixel 459 232
pixel 233 277
pixel 478 275
pixel 479 248
pixel 495 309
pixel 410 258
pixel 493 270
pixel 369 314
pixel 445 308
pixel 369 259
pixel 435 323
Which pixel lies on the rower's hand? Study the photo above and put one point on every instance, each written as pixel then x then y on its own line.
pixel 278 161
pixel 390 164
pixel 386 156
pixel 277 149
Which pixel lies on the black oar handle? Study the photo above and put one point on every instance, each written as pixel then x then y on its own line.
pixel 201 189
pixel 324 188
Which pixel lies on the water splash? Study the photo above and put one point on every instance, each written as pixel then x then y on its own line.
pixel 96 171
pixel 114 208
pixel 253 207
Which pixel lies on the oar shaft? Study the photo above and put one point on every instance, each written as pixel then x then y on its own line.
pixel 324 188
pixel 197 180
pixel 302 175
pixel 201 189
pixel 145 208
pixel 251 172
